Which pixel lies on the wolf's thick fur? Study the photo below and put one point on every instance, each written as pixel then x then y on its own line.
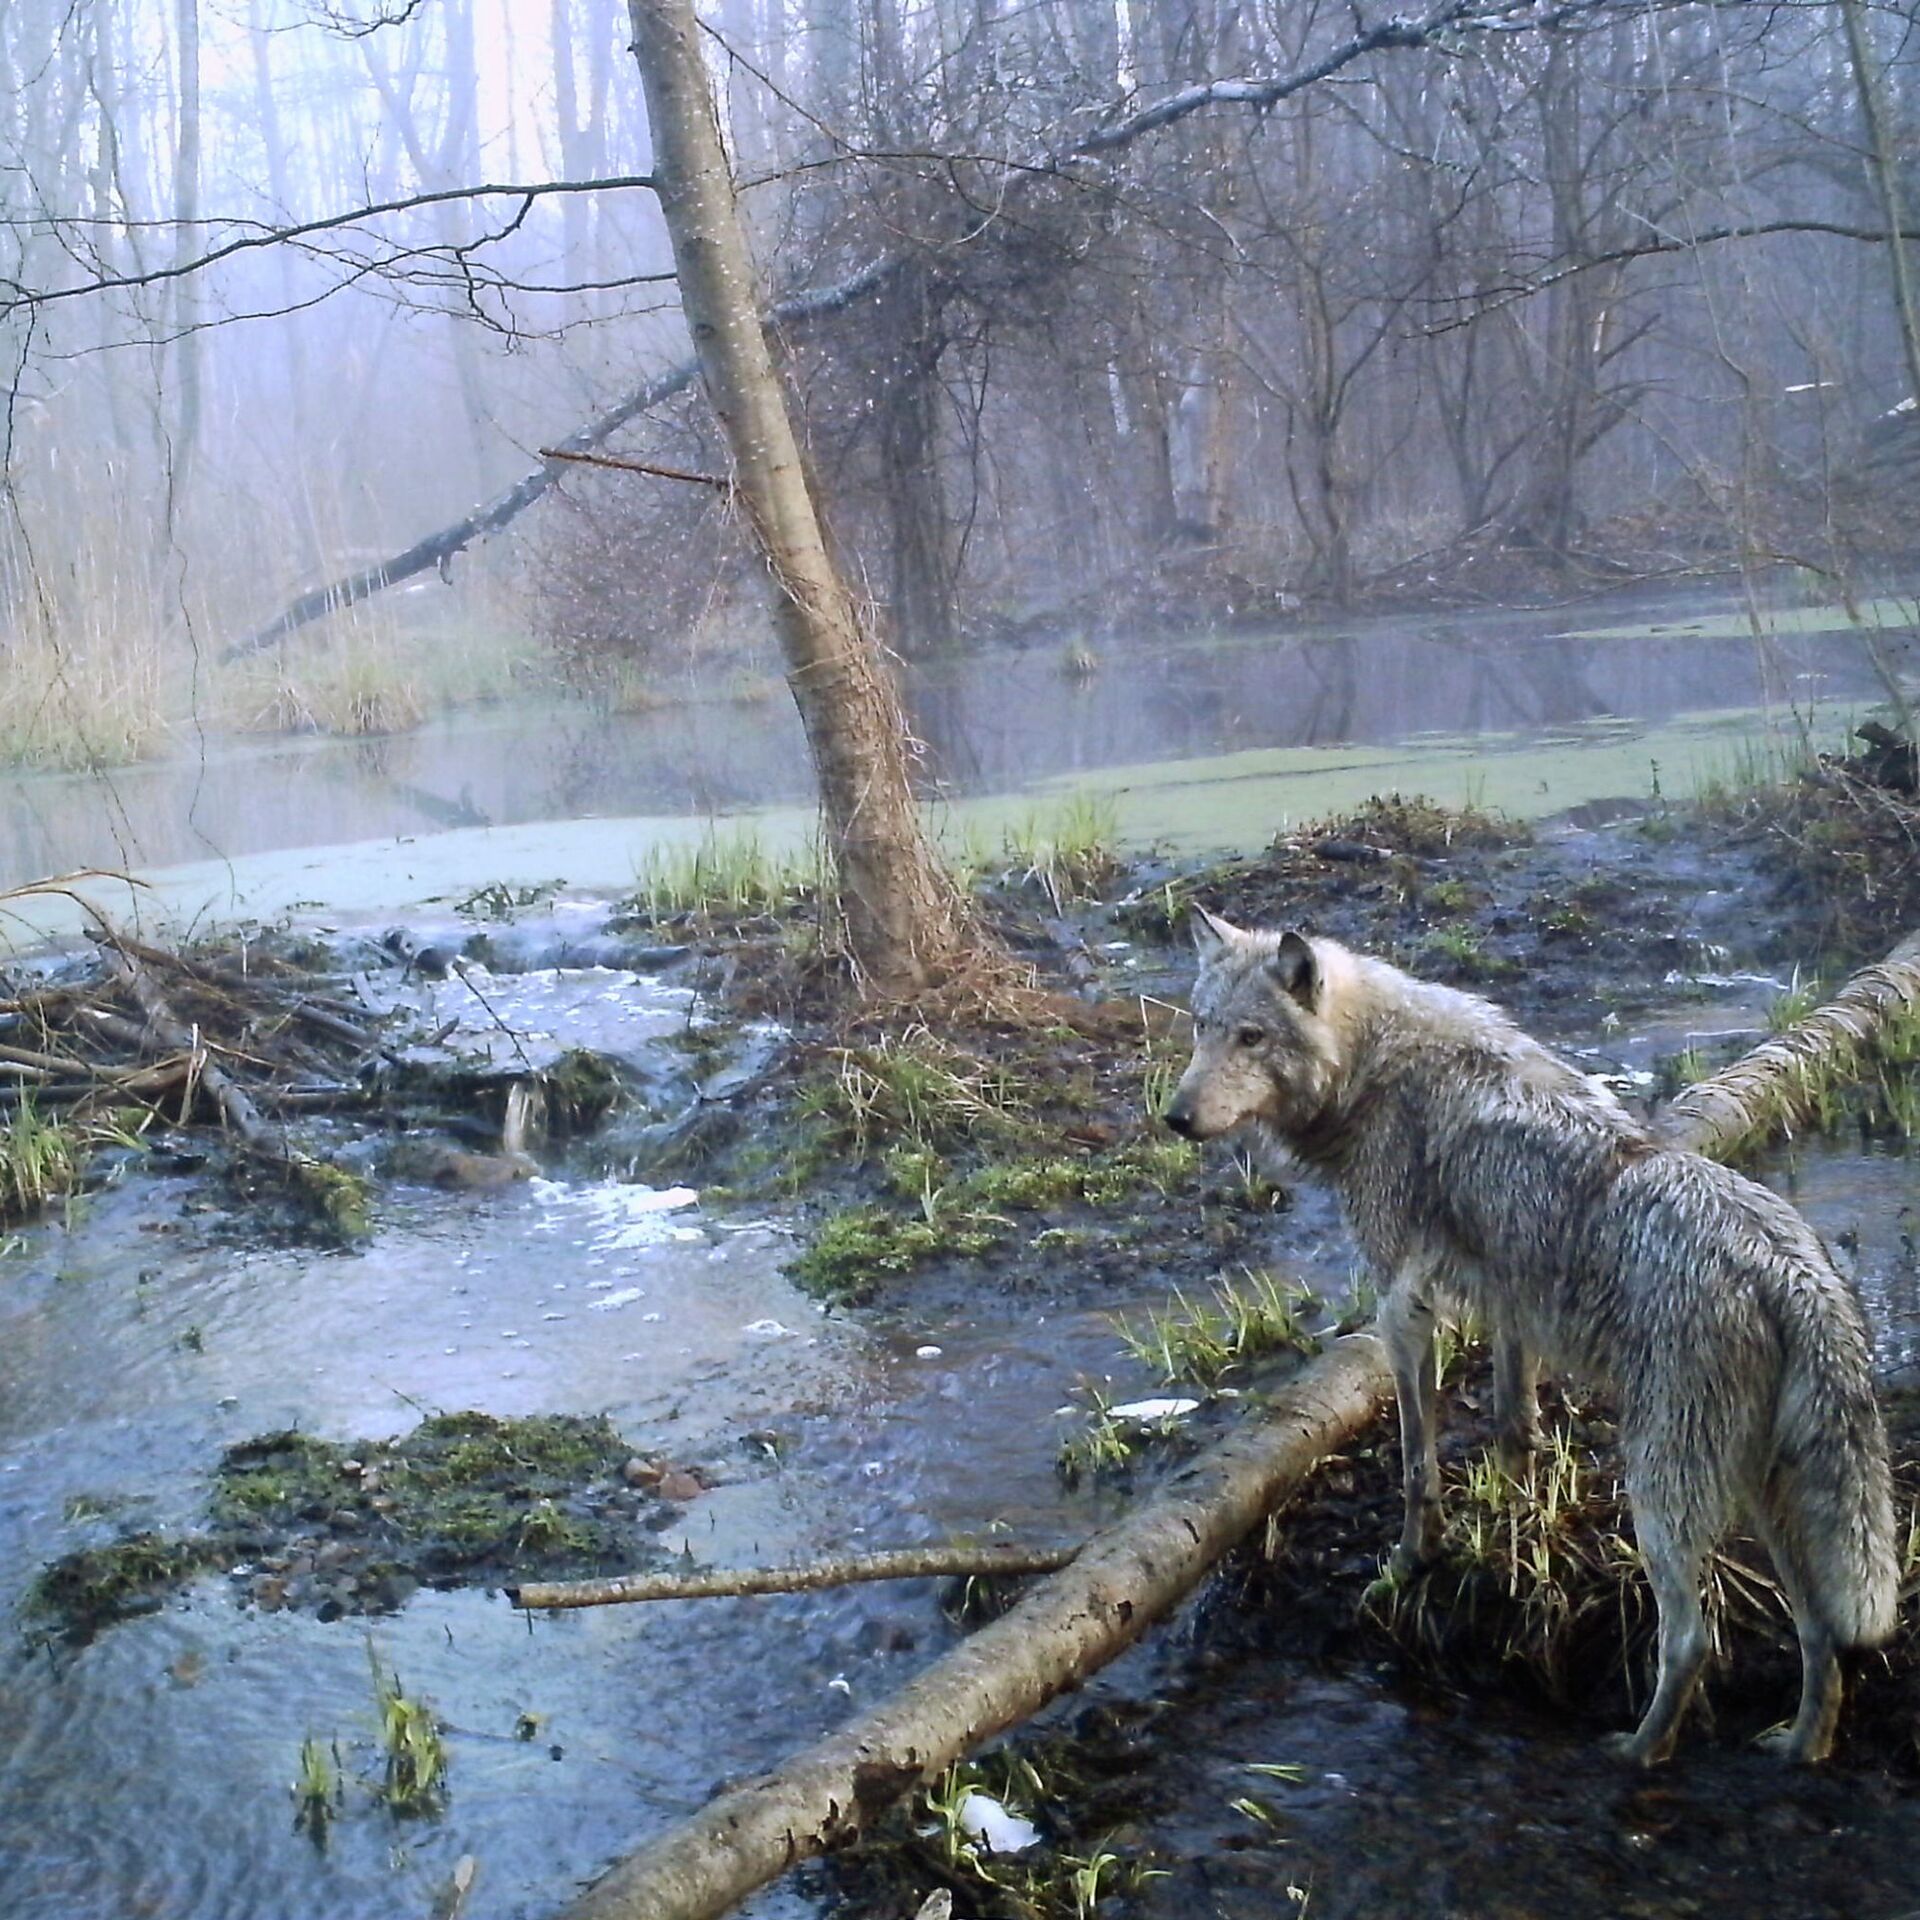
pixel 1477 1168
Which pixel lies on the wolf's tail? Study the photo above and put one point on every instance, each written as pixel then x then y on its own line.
pixel 1830 1489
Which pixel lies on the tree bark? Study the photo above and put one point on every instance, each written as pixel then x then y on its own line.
pixel 1138 1569
pixel 905 925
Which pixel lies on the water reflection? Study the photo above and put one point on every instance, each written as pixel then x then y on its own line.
pixel 990 723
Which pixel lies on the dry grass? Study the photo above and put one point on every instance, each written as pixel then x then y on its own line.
pixel 86 670
pixel 380 669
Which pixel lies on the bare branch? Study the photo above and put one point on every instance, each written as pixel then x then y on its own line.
pixel 262 235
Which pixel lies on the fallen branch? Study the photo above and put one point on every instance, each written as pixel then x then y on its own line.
pixel 333 1194
pixel 650 467
pixel 906 1563
pixel 1125 1577
pixel 1774 1088
pixel 1122 1579
pixel 236 1108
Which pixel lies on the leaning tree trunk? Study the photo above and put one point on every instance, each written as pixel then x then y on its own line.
pixel 1131 1574
pixel 905 923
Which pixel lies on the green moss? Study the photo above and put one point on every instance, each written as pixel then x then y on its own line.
pixel 582 1088
pixel 335 1199
pixel 967 1217
pixel 855 1248
pixel 88 1590
pixel 1029 1185
pixel 463 1491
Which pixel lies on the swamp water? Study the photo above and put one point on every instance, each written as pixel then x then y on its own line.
pixel 149 1772
pixel 1200 742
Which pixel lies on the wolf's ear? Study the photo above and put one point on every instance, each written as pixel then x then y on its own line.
pixel 1296 968
pixel 1211 935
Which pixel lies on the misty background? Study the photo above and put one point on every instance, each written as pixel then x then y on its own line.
pixel 1558 299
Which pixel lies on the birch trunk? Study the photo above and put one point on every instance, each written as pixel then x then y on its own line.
pixel 904 922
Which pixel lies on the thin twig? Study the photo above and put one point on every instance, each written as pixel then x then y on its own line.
pixel 638 466
pixel 906 1563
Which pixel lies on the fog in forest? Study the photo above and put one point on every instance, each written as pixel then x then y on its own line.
pixel 1506 304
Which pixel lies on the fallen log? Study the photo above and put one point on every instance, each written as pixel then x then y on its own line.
pixel 1137 1570
pixel 1774 1088
pixel 904 1563
pixel 1072 1624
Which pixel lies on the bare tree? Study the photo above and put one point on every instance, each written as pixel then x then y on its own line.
pixel 905 924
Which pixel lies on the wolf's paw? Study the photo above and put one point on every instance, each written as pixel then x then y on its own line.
pixel 1631 1750
pixel 1786 1743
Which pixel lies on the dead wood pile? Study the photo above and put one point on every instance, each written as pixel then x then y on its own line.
pixel 151 1037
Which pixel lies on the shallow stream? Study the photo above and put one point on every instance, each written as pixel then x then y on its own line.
pixel 149 1772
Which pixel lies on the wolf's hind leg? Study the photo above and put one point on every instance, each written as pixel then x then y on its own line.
pixel 1673 1567
pixel 1516 1400
pixel 1406 1324
pixel 1810 1738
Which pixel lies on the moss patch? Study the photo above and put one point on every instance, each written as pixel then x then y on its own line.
pixel 463 1499
pixel 86 1591
pixel 933 1214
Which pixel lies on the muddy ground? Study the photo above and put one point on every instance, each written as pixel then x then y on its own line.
pixel 929 1159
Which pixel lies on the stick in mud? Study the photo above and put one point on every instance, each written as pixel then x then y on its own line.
pixel 906 1563
pixel 1128 1575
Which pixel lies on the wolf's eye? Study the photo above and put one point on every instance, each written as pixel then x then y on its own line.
pixel 1250 1036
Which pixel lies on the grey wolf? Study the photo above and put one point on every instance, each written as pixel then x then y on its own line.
pixel 1480 1171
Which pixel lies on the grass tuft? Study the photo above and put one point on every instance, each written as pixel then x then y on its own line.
pixel 414 1777
pixel 726 877
pixel 1071 853
pixel 1203 1341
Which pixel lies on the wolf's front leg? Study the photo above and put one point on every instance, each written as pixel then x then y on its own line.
pixel 1516 1400
pixel 1406 1325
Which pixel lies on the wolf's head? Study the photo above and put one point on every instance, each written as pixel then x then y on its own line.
pixel 1263 1047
